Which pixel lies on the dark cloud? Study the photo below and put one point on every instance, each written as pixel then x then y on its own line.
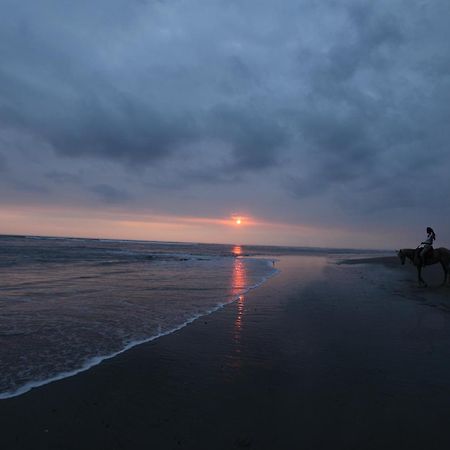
pixel 63 177
pixel 110 194
pixel 255 139
pixel 325 104
pixel 372 120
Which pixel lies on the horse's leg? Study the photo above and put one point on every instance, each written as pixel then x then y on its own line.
pixel 444 267
pixel 419 275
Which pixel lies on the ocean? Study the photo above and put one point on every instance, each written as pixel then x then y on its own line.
pixel 66 304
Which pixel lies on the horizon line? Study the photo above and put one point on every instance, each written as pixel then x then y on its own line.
pixel 189 242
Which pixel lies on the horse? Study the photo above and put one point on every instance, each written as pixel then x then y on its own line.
pixel 437 255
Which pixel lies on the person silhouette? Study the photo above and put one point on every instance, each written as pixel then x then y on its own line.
pixel 424 248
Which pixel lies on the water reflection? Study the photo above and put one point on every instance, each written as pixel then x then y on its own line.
pixel 237 250
pixel 239 283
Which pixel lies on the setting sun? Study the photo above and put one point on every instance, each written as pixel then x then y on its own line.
pixel 238 220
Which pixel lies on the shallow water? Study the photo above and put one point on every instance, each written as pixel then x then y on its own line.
pixel 65 304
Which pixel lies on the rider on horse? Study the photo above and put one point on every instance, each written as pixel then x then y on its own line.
pixel 425 247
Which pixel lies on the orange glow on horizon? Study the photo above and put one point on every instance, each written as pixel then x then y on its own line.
pixel 238 219
pixel 120 223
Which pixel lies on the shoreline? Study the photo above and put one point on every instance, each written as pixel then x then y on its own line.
pixel 96 360
pixel 320 347
pixel 388 261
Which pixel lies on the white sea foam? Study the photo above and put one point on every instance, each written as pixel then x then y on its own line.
pixel 211 272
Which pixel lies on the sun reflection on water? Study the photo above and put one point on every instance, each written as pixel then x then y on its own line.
pixel 239 284
pixel 237 250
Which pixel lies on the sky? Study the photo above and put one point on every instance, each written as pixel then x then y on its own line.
pixel 318 123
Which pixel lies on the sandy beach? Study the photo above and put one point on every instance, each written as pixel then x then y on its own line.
pixel 323 355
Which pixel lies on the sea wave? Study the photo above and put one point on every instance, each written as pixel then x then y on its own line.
pixel 94 360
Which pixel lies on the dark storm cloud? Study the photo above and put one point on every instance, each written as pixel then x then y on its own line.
pixel 338 123
pixel 344 102
pixel 55 86
pixel 110 194
pixel 62 177
pixel 375 119
pixel 52 86
pixel 255 138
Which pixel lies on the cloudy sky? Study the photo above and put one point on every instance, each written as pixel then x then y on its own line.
pixel 318 122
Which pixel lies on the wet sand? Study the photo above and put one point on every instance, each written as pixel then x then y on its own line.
pixel 324 355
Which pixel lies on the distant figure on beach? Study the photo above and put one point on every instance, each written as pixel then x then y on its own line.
pixel 424 248
pixel 433 256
